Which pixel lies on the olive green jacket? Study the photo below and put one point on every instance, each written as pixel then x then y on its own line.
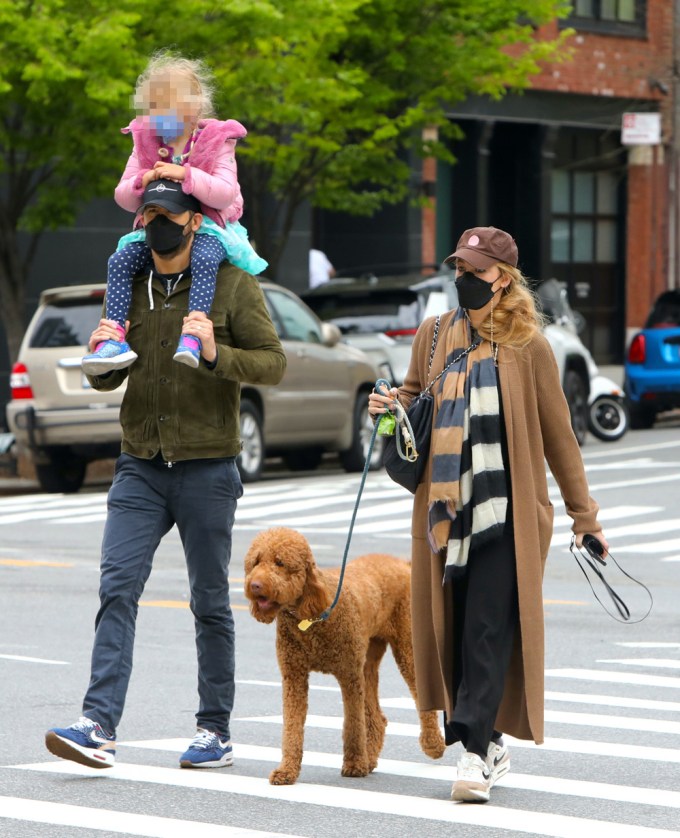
pixel 190 413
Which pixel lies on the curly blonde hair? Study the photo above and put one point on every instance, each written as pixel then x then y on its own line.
pixel 164 64
pixel 516 316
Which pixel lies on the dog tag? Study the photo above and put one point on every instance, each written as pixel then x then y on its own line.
pixel 303 625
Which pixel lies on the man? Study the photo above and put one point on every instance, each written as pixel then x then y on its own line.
pixel 320 268
pixel 177 466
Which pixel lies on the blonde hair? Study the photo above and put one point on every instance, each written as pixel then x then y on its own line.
pixel 516 317
pixel 164 64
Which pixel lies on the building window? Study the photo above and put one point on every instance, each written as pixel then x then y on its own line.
pixel 614 17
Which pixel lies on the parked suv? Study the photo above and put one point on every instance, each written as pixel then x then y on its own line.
pixel 62 423
pixel 381 315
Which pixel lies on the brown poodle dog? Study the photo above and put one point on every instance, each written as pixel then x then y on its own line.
pixel 284 584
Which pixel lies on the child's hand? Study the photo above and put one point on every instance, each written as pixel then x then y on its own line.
pixel 169 170
pixel 148 176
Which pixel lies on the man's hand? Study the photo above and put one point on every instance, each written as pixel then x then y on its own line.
pixel 106 330
pixel 198 324
pixel 171 171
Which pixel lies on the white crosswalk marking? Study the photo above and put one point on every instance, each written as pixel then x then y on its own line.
pixel 249 777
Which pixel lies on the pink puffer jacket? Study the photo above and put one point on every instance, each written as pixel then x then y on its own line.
pixel 211 173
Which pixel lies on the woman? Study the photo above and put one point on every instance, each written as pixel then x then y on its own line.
pixel 482 517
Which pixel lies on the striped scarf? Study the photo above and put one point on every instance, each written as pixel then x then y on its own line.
pixel 468 490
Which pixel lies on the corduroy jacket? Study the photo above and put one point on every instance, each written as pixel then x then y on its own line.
pixel 193 413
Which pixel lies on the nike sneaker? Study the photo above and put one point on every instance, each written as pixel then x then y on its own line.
pixel 207 750
pixel 84 742
pixel 473 781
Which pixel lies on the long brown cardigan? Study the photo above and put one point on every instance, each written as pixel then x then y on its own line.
pixel 538 428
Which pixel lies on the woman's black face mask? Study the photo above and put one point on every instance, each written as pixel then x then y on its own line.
pixel 473 293
pixel 163 235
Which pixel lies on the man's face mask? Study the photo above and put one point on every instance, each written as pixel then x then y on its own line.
pixel 164 236
pixel 474 293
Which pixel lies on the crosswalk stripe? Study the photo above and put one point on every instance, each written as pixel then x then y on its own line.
pixel 574 746
pixel 395 805
pixel 127 823
pixel 657 663
pixel 615 677
pixel 445 773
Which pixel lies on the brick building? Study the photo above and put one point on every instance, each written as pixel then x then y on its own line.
pixel 549 165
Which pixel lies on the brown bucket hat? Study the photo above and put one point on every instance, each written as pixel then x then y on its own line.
pixel 483 247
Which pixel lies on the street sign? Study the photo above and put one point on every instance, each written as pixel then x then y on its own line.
pixel 641 129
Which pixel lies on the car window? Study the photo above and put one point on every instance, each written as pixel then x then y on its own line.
pixel 372 311
pixel 293 320
pixel 65 324
pixel 666 312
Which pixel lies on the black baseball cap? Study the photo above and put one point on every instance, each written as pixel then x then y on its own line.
pixel 169 195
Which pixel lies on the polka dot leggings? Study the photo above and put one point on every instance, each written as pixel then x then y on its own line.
pixel 206 255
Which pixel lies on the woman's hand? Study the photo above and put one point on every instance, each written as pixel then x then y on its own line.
pixel 171 171
pixel 198 324
pixel 381 402
pixel 106 330
pixel 578 537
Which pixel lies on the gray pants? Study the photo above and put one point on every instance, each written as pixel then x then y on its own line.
pixel 145 500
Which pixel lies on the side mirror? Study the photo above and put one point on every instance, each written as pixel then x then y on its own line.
pixel 330 334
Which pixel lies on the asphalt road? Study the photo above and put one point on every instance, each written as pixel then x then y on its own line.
pixel 610 765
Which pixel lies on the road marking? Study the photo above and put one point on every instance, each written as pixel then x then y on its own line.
pixel 108 820
pixel 399 805
pixel 661 663
pixel 34 563
pixel 24 659
pixel 572 746
pixel 180 603
pixel 445 773
pixel 615 677
pixel 648 644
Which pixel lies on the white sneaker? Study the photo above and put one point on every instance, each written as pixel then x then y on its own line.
pixel 497 760
pixel 474 780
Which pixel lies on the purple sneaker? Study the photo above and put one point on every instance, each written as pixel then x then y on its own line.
pixel 188 351
pixel 109 355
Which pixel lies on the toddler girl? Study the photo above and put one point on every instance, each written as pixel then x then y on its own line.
pixel 174 139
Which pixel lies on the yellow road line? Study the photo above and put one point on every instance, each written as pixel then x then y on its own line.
pixel 34 563
pixel 563 602
pixel 178 603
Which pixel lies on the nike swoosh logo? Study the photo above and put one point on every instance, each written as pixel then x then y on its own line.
pixel 497 760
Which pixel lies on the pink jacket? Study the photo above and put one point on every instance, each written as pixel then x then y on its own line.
pixel 210 169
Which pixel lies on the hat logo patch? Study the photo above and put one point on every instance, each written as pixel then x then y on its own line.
pixel 162 188
pixel 473 241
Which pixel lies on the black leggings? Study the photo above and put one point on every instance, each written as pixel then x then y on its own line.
pixel 486 616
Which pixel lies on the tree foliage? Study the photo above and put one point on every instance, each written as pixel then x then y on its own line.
pixel 335 95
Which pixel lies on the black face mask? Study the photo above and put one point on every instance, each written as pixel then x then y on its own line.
pixel 473 293
pixel 165 236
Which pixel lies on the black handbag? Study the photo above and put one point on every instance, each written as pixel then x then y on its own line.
pixel 405 461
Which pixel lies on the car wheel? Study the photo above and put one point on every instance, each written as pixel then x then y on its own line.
pixel 64 473
pixel 354 458
pixel 304 459
pixel 577 399
pixel 608 418
pixel 251 459
pixel 642 416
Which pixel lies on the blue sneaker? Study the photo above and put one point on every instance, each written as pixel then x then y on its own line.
pixel 85 742
pixel 109 355
pixel 207 750
pixel 188 351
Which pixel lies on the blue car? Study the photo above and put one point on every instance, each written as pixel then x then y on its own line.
pixel 652 366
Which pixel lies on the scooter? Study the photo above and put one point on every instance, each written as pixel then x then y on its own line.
pixel 608 416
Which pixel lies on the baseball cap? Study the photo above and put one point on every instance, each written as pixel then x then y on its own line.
pixel 484 246
pixel 169 195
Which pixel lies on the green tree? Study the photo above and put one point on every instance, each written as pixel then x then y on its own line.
pixel 334 94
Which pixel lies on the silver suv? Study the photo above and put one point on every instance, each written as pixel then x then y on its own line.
pixel 61 423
